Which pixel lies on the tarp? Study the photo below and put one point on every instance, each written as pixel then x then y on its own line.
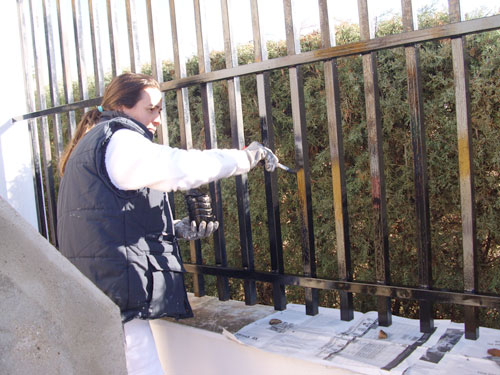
pixel 363 346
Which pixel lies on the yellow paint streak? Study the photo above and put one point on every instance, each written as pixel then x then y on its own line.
pixel 301 184
pixel 337 203
pixel 337 193
pixel 463 157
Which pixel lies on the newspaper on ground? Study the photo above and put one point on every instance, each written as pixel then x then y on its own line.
pixel 363 346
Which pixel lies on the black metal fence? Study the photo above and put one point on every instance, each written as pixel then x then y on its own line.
pixel 47 54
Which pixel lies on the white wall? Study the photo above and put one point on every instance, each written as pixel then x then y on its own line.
pixel 16 177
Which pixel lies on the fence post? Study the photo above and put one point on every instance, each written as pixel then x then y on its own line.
pixel 96 50
pixel 65 64
pixel 238 142
pixel 271 179
pixel 47 161
pixel 32 123
pixel 80 57
pixel 332 92
pixel 207 100
pixel 302 160
pixel 464 134
pixel 186 137
pixel 374 124
pixel 415 102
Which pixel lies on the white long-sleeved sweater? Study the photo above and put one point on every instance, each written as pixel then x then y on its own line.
pixel 133 162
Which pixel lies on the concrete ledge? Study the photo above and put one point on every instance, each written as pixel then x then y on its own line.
pixel 54 320
pixel 213 315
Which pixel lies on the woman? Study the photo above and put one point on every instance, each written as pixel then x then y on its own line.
pixel 114 218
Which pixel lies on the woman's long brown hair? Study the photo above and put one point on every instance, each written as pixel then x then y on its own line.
pixel 124 90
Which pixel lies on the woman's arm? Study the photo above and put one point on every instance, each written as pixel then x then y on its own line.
pixel 133 162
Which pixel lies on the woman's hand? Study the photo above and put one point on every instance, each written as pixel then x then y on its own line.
pixel 190 231
pixel 257 152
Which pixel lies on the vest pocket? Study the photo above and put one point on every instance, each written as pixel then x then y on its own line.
pixel 168 292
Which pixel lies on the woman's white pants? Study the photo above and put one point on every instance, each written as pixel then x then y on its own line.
pixel 140 349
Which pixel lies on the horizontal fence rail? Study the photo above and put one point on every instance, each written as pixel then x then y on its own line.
pixel 55 36
pixel 391 291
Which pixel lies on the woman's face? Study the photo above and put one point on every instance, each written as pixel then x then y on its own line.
pixel 148 109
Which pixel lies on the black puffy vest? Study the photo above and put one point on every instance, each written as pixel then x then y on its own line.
pixel 121 240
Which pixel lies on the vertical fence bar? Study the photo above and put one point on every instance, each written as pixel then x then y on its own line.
pixel 28 66
pixel 373 120
pixel 51 65
pixel 271 179
pixel 302 160
pixel 99 47
pixel 211 142
pixel 66 71
pixel 47 161
pixel 332 92
pixel 186 137
pixel 157 73
pixel 464 133
pixel 98 68
pixel 182 94
pixel 415 101
pixel 80 57
pixel 94 48
pixel 238 142
pixel 113 51
pixel 155 68
pixel 131 42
